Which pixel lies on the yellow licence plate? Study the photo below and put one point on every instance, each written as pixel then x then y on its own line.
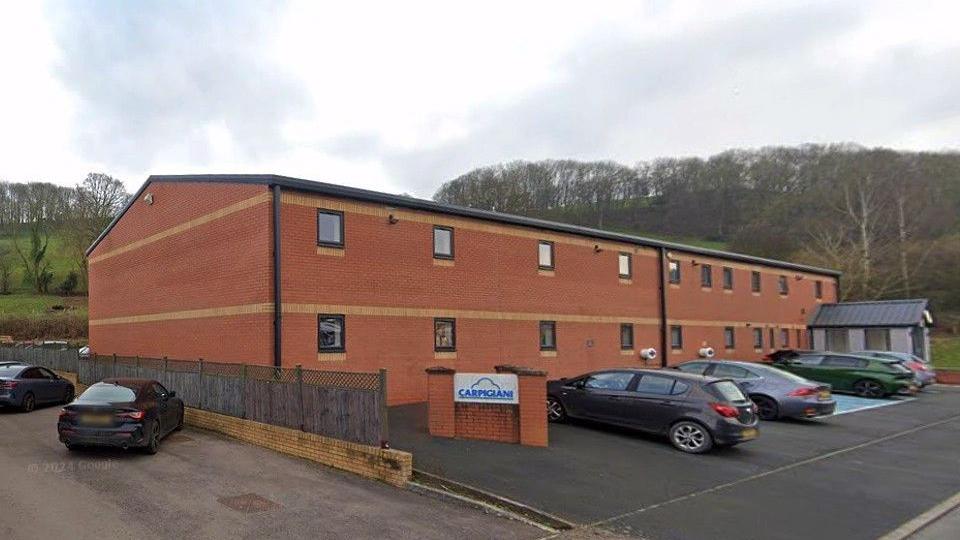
pixel 748 433
pixel 824 395
pixel 96 419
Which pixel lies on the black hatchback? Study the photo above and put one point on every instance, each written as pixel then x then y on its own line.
pixel 124 413
pixel 694 411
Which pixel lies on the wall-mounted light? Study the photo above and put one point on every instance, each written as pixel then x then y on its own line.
pixel 597 248
pixel 391 219
pixel 694 262
pixel 798 277
pixel 148 198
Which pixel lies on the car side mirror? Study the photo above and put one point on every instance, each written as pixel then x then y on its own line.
pixel 172 393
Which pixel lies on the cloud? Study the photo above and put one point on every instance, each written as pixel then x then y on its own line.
pixel 178 80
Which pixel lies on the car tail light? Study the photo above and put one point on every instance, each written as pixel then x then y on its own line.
pixel 8 385
pixel 919 366
pixel 131 415
pixel 64 413
pixel 803 392
pixel 726 411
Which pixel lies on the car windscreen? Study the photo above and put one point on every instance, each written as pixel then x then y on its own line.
pixel 781 373
pixel 727 390
pixel 111 393
pixel 898 367
pixel 10 372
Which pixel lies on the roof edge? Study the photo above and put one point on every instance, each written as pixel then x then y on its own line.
pixel 336 190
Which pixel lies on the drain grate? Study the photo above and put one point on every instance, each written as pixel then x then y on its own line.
pixel 248 504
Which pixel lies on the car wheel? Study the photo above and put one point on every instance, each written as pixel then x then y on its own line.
pixel 71 447
pixel 767 409
pixel 68 395
pixel 868 388
pixel 690 437
pixel 29 403
pixel 153 438
pixel 555 411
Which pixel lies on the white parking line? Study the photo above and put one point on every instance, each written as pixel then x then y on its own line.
pixel 876 406
pixel 778 470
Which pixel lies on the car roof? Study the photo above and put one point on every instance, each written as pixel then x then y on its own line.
pixel 128 382
pixel 671 373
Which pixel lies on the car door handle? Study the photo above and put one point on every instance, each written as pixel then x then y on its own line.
pixel 667 403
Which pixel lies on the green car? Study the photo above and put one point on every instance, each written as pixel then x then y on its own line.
pixel 863 375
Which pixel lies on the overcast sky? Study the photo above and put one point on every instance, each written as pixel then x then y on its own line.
pixel 401 96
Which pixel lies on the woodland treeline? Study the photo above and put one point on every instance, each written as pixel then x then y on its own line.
pixel 887 219
pixel 42 222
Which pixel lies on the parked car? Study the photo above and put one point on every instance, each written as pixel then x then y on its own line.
pixel 862 375
pixel 923 372
pixel 26 386
pixel 777 393
pixel 125 413
pixel 695 412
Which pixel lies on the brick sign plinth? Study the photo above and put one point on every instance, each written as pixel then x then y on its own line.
pixel 524 422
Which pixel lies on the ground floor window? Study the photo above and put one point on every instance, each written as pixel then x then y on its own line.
pixel 758 338
pixel 838 339
pixel 877 339
pixel 548 335
pixel 676 337
pixel 330 333
pixel 729 338
pixel 626 336
pixel 445 334
pixel 784 338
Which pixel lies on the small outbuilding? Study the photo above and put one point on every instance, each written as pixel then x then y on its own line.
pixel 887 325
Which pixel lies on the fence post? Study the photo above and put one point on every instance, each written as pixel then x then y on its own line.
pixel 384 416
pixel 299 372
pixel 243 391
pixel 114 365
pixel 200 385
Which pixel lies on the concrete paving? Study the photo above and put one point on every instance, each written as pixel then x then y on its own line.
pixel 857 475
pixel 945 528
pixel 48 492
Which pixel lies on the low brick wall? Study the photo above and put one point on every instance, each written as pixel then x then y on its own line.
pixel 524 423
pixel 391 466
pixel 948 376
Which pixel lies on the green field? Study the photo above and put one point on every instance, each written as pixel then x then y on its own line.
pixel 60 262
pixel 946 352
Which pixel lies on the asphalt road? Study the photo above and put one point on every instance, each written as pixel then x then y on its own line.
pixel 853 476
pixel 48 492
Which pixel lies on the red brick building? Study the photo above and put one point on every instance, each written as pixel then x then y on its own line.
pixel 280 271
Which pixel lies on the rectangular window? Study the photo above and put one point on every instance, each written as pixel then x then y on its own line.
pixel 444 334
pixel 331 333
pixel 755 281
pixel 784 338
pixel 877 339
pixel 329 228
pixel 706 275
pixel 728 278
pixel 626 336
pixel 838 339
pixel 674 269
pixel 799 344
pixel 676 337
pixel 770 332
pixel 757 338
pixel 545 254
pixel 729 338
pixel 548 335
pixel 442 242
pixel 818 289
pixel 783 285
pixel 626 265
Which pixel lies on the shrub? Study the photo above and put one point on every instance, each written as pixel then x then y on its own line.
pixel 69 285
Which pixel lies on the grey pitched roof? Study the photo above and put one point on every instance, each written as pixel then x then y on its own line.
pixel 878 313
pixel 335 190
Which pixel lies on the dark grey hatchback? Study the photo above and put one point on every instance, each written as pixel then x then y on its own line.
pixel 694 411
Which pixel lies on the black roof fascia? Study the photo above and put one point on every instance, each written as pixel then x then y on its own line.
pixel 334 190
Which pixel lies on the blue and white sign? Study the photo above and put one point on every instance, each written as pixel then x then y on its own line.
pixel 485 388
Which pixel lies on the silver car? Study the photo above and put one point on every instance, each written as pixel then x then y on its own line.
pixel 777 393
pixel 923 372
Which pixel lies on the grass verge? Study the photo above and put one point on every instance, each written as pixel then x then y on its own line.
pixel 946 352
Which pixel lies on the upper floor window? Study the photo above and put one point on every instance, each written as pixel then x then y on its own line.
pixel 706 275
pixel 818 289
pixel 755 281
pixel 728 278
pixel 330 333
pixel 626 336
pixel 545 255
pixel 329 228
pixel 442 242
pixel 674 270
pixel 625 261
pixel 548 335
pixel 783 285
pixel 676 337
pixel 444 334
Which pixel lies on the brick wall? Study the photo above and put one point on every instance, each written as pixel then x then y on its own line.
pixel 499 423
